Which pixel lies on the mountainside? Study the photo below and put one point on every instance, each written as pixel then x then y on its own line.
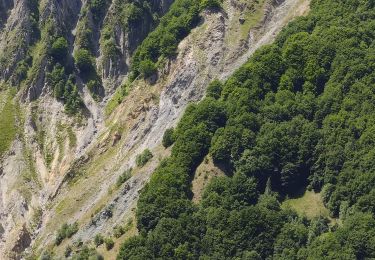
pixel 79 122
pixel 187 129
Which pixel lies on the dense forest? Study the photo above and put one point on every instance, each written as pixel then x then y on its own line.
pixel 299 114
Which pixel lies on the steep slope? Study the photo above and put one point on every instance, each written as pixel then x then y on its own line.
pixel 64 168
pixel 5 6
pixel 297 116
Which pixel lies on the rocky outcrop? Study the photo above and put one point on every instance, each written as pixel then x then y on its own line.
pixel 62 18
pixel 15 37
pixel 148 111
pixel 22 242
pixel 129 37
pixel 5 6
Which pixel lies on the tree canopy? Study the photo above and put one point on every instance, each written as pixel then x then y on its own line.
pixel 300 114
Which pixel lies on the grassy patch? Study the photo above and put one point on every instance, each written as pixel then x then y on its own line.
pixel 7 125
pixel 117 98
pixel 251 16
pixel 72 137
pixel 205 172
pixel 309 205
pixel 38 53
pixel 130 230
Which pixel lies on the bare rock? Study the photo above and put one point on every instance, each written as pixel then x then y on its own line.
pixel 116 138
pixel 23 241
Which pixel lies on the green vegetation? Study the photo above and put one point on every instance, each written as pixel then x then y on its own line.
pixel 84 61
pixel 117 98
pixel 84 57
pixel 309 205
pixel 98 8
pixel 118 231
pixel 46 255
pixel 65 89
pixel 66 231
pixel 98 240
pixel 143 158
pixel 135 17
pixel 57 78
pixel 182 16
pixel 124 177
pixel 59 50
pixel 109 243
pixel 39 51
pixel 68 251
pixel 87 253
pixel 18 41
pixel 210 4
pixel 168 137
pixel 33 6
pixel 8 121
pixel 147 68
pixel 72 137
pixel 51 52
pixel 20 74
pixel 299 114
pixel 133 12
pixel 214 89
pixel 84 37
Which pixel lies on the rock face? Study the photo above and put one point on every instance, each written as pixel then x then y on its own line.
pixel 15 35
pixel 5 6
pixel 63 168
pixel 115 68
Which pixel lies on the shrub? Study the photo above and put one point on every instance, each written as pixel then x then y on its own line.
pixel 131 13
pixel 97 8
pixel 143 158
pixel 46 255
pixel 108 213
pixel 168 137
pixel 65 89
pixel 108 43
pixel 147 68
pixel 57 78
pixel 66 231
pixel 84 35
pixel 21 71
pixel 84 61
pixel 210 4
pixel 72 229
pixel 78 243
pixel 109 243
pixel 124 177
pixel 182 16
pixel 68 251
pixel 214 89
pixel 87 253
pixel 98 240
pixel 73 100
pixel 118 231
pixel 59 49
pixel 94 87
